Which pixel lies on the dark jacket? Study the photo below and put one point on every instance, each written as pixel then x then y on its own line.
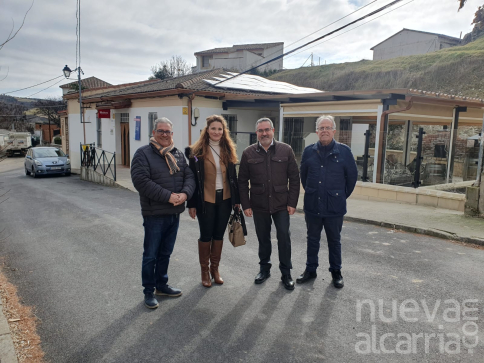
pixel 269 173
pixel 151 178
pixel 327 180
pixel 197 167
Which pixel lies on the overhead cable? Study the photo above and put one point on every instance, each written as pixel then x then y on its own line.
pixel 313 41
pixel 7 93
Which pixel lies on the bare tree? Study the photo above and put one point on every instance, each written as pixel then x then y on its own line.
pixel 12 116
pixel 174 67
pixel 10 35
pixel 50 108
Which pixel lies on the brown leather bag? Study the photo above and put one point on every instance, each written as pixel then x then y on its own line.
pixel 237 229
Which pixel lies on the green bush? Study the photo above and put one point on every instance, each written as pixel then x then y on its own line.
pixel 57 140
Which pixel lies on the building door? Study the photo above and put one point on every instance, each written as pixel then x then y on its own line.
pixel 125 143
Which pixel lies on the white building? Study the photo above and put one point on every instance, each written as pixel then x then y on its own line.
pixel 411 42
pixel 120 118
pixel 240 57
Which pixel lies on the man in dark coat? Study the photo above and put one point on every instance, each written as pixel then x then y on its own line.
pixel 271 168
pixel 328 176
pixel 161 175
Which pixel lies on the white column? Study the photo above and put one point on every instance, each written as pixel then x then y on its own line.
pixel 408 141
pixel 481 155
pixel 451 144
pixel 281 123
pixel 377 140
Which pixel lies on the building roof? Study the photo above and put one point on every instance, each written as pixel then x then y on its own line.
pixel 419 31
pixel 88 83
pixel 202 81
pixel 237 47
pixel 355 95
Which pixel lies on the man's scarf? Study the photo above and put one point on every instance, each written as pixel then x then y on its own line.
pixel 165 152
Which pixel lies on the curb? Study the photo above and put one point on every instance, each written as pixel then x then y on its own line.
pixel 7 350
pixel 425 231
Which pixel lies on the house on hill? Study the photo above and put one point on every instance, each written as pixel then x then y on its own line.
pixel 240 57
pixel 411 42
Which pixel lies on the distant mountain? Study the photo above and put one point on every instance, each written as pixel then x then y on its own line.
pixel 27 102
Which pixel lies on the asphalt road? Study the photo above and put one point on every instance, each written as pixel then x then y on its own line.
pixel 74 250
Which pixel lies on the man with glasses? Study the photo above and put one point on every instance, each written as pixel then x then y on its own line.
pixel 271 169
pixel 161 175
pixel 328 176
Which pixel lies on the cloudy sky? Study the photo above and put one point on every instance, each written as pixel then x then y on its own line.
pixel 121 39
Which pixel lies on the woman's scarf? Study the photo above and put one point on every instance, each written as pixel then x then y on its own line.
pixel 165 152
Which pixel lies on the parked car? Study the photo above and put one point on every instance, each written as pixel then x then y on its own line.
pixel 46 160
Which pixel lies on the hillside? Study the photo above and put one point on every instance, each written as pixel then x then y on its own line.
pixel 457 70
pixel 27 102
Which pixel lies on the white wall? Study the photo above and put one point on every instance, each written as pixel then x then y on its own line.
pixel 108 127
pixel 242 60
pixel 406 43
pixel 173 113
pixel 111 127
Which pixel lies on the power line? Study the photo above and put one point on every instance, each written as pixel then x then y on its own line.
pixel 315 40
pixel 356 27
pixel 334 22
pixel 45 88
pixel 7 93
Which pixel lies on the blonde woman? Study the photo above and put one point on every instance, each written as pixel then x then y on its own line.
pixel 212 159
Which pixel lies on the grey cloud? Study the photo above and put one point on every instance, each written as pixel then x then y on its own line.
pixel 121 40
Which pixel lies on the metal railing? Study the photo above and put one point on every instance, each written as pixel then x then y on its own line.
pixel 99 160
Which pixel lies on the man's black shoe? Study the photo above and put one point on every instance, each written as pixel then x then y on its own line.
pixel 262 276
pixel 306 276
pixel 150 301
pixel 287 281
pixel 337 279
pixel 167 290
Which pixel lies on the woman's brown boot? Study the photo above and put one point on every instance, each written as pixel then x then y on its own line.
pixel 215 255
pixel 204 257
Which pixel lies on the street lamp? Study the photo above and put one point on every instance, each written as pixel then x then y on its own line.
pixel 67 72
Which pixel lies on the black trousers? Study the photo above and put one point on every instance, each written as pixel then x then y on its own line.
pixel 263 222
pixel 214 222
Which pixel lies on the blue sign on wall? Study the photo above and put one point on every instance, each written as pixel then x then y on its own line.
pixel 137 130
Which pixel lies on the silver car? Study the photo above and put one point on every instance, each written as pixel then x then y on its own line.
pixel 46 160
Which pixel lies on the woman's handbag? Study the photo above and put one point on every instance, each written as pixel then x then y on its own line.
pixel 236 228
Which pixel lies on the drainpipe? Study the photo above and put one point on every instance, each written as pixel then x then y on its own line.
pixel 190 99
pixel 481 156
pixel 380 170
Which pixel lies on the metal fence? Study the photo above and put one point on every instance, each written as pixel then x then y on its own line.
pixel 99 160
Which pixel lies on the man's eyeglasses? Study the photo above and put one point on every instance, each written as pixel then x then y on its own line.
pixel 164 132
pixel 327 128
pixel 260 131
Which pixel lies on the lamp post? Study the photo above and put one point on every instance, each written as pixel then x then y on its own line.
pixel 67 72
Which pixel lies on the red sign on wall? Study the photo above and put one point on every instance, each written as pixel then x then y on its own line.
pixel 104 113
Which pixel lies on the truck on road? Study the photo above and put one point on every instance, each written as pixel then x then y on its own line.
pixel 17 143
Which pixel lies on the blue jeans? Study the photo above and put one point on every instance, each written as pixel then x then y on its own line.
pixel 160 236
pixel 332 227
